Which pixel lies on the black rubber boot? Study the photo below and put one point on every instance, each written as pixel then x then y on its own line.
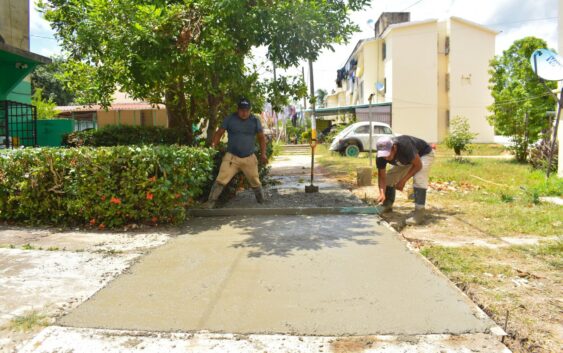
pixel 389 199
pixel 259 194
pixel 214 194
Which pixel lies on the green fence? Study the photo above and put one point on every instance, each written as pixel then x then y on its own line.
pixel 50 132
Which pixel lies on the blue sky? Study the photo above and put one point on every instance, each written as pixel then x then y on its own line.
pixel 513 18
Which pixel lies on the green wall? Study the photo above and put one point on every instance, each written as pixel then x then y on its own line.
pixel 50 132
pixel 21 93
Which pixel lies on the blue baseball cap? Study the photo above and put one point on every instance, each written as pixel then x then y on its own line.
pixel 244 104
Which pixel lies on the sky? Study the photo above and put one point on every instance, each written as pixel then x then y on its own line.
pixel 514 19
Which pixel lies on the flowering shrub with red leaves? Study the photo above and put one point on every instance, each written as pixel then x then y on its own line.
pixel 102 187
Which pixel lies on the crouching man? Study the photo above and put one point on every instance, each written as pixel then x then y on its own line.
pixel 242 128
pixel 410 157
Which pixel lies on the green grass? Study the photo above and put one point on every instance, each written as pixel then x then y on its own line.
pixel 477 149
pixel 466 264
pixel 499 197
pixel 28 322
pixel 27 247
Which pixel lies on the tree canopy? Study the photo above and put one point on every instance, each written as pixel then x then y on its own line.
pixel 518 92
pixel 48 79
pixel 191 54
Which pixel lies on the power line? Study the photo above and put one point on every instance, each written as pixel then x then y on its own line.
pixel 523 21
pixel 44 37
pixel 413 4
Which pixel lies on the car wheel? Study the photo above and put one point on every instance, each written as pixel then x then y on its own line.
pixel 352 151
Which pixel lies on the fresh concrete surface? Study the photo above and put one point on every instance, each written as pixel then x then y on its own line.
pixel 61 339
pixel 302 275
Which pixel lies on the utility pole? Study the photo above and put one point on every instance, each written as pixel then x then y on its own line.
pixel 312 188
pixel 304 98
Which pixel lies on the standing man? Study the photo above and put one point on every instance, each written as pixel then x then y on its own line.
pixel 243 128
pixel 410 157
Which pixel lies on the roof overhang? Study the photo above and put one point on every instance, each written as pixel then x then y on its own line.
pixel 474 25
pixel 15 65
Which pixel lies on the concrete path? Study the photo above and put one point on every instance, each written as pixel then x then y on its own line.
pixel 339 275
pixel 326 283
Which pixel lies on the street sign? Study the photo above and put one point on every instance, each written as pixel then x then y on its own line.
pixel 547 65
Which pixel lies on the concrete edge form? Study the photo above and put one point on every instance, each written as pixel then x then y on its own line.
pixel 295 211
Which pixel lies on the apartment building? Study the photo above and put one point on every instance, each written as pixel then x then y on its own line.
pixel 425 73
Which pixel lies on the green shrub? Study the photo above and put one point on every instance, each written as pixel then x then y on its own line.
pixel 104 187
pixel 460 135
pixel 124 135
pixel 539 154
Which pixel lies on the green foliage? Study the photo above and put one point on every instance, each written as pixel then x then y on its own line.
pixel 517 91
pixel 321 98
pixel 539 154
pixel 45 108
pixel 335 131
pixel 49 79
pixel 306 135
pixel 460 135
pixel 294 134
pixel 124 135
pixel 191 54
pixel 104 187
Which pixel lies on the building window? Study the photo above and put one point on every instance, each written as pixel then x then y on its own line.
pixel 385 85
pixel 448 119
pixel 447 46
pixel 447 82
pixel 384 51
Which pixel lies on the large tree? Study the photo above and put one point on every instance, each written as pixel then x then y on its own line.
pixel 47 78
pixel 189 54
pixel 521 100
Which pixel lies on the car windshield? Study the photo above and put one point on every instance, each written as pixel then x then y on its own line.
pixel 346 130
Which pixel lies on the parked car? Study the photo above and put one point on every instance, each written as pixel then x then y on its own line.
pixel 355 138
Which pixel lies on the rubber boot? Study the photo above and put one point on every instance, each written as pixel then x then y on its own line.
pixel 259 194
pixel 418 216
pixel 387 205
pixel 214 194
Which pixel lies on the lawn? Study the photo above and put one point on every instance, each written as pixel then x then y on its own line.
pixel 479 208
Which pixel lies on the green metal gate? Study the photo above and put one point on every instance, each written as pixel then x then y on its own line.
pixel 18 125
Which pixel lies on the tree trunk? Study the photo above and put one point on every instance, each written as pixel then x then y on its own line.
pixel 213 102
pixel 177 109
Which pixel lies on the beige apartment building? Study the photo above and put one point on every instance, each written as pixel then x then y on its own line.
pixel 424 73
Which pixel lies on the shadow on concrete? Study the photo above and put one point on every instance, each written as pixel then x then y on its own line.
pixel 284 236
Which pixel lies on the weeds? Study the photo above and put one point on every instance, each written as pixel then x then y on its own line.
pixel 28 322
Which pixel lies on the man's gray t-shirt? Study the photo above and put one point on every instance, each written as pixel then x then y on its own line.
pixel 242 134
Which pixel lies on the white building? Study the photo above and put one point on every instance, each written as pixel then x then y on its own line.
pixel 424 73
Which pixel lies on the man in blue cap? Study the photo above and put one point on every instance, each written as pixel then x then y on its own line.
pixel 410 157
pixel 243 128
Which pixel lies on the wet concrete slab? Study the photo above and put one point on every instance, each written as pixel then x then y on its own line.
pixel 301 275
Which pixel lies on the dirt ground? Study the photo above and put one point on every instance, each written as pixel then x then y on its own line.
pixel 514 283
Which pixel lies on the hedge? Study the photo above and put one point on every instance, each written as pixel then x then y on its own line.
pixel 124 135
pixel 103 187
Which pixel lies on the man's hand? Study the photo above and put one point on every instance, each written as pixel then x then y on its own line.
pixel 264 159
pixel 401 185
pixel 381 198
